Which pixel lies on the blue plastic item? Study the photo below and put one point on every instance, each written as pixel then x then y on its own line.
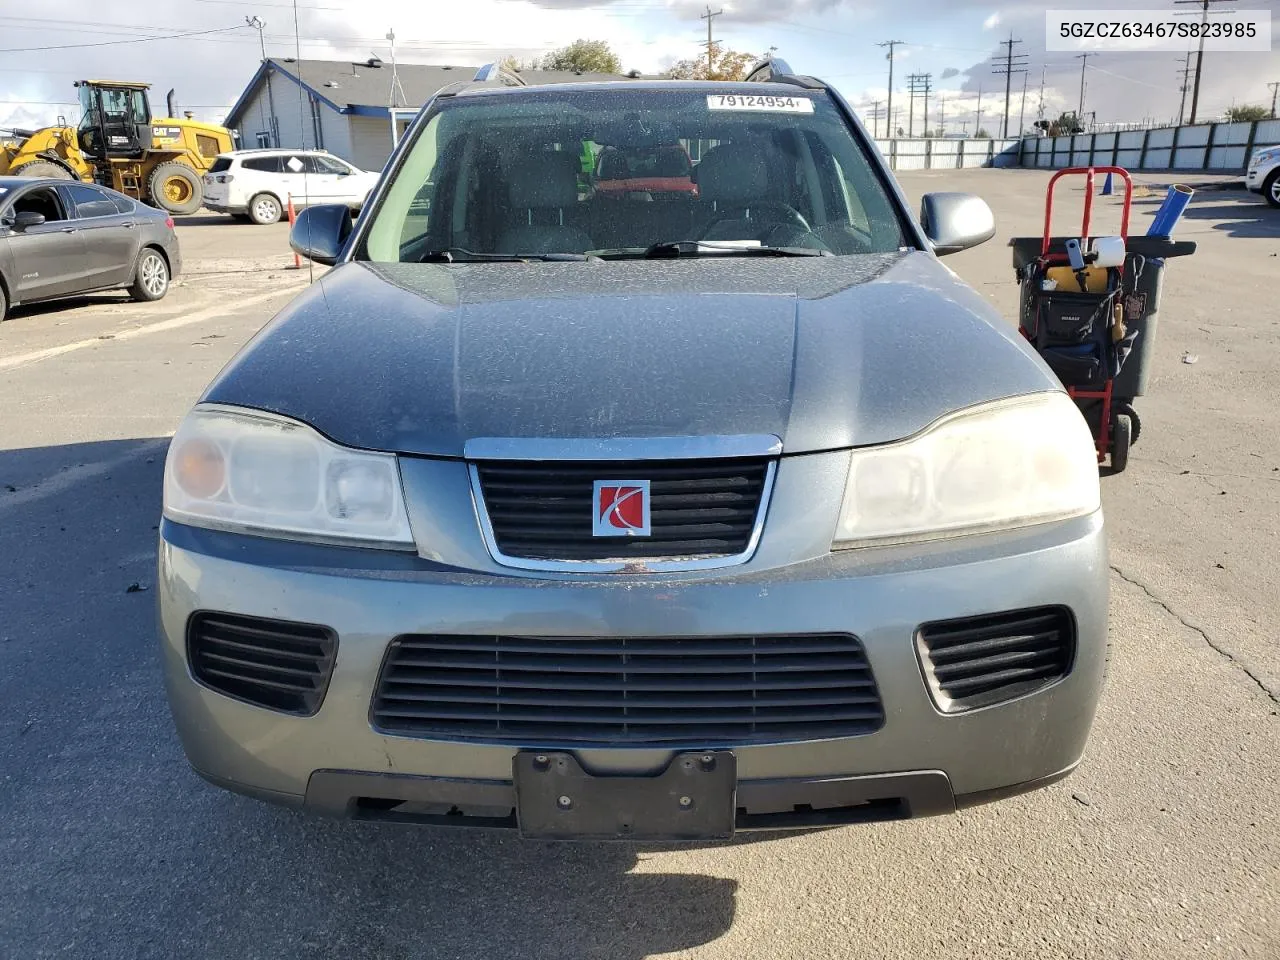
pixel 1106 186
pixel 1170 212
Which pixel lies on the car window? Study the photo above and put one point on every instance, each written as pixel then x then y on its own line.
pixel 331 166
pixel 43 200
pixel 261 164
pixel 296 163
pixel 124 204
pixel 530 172
pixel 220 164
pixel 90 201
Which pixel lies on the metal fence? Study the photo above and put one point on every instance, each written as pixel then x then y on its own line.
pixel 1207 147
pixel 948 154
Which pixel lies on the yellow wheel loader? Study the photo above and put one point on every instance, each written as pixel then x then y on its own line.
pixel 119 144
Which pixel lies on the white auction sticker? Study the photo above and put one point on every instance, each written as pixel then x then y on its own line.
pixel 739 101
pixel 1151 31
pixel 294 164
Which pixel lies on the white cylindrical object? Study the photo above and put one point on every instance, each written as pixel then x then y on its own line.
pixel 1110 251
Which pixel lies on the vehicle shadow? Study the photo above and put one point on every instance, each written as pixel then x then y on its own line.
pixel 1243 214
pixel 110 838
pixel 106 298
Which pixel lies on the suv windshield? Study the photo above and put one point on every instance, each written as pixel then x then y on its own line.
pixel 522 173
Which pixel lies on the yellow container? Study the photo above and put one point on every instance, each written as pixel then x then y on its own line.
pixel 1095 279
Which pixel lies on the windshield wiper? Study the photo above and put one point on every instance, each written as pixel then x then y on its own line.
pixel 710 248
pixel 459 255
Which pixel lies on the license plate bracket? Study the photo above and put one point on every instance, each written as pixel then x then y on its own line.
pixel 693 799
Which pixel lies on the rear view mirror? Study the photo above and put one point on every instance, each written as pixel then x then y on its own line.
pixel 26 218
pixel 320 233
pixel 956 221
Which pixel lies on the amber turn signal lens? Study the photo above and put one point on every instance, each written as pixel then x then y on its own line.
pixel 200 468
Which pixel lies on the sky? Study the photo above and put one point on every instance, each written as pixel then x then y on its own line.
pixel 207 54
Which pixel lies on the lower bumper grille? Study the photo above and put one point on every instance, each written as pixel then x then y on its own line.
pixel 274 664
pixel 554 690
pixel 979 661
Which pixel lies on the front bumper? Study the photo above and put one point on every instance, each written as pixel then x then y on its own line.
pixel 920 762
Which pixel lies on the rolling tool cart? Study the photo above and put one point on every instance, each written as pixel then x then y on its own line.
pixel 1089 306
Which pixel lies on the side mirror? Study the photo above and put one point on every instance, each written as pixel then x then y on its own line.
pixel 956 221
pixel 25 218
pixel 320 232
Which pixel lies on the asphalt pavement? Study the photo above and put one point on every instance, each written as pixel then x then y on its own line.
pixel 1165 843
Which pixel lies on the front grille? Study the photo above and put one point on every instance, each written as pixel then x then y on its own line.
pixel 699 508
pixel 978 661
pixel 565 690
pixel 270 663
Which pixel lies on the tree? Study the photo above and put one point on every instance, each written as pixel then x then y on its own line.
pixel 583 56
pixel 724 65
pixel 1065 125
pixel 1248 114
pixel 982 134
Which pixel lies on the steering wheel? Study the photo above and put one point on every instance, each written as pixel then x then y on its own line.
pixel 789 215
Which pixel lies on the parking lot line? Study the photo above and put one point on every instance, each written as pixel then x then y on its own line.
pixel 35 356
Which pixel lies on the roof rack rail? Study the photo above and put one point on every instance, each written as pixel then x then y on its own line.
pixel 773 70
pixel 493 72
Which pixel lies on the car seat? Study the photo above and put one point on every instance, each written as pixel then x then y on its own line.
pixel 542 187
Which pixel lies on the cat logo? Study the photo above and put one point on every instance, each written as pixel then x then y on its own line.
pixel 165 134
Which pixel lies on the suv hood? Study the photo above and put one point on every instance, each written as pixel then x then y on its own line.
pixel 824 353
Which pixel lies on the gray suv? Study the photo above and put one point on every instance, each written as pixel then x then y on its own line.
pixel 610 515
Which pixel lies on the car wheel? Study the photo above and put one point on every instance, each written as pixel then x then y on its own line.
pixel 175 188
pixel 264 209
pixel 4 304
pixel 151 276
pixel 1271 188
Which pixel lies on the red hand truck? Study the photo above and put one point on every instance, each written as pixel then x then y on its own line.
pixel 1111 440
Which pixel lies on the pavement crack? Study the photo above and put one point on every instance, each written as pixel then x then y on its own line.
pixel 1194 628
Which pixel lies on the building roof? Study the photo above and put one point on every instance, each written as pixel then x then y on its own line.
pixel 365 88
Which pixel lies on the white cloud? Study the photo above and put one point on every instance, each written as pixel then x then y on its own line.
pixel 991 22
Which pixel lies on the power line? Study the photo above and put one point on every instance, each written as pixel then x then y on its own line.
pixel 1013 63
pixel 1195 91
pixel 889 56
pixel 108 43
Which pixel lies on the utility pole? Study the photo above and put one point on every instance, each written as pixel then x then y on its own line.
pixel 1185 73
pixel 942 115
pixel 977 122
pixel 897 121
pixel 1275 89
pixel 1013 63
pixel 1022 113
pixel 1084 62
pixel 260 25
pixel 709 16
pixel 889 56
pixel 1195 91
pixel 1040 108
pixel 918 83
pixel 875 115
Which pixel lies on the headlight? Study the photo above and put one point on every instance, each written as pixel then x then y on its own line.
pixel 1005 464
pixel 255 472
pixel 1268 157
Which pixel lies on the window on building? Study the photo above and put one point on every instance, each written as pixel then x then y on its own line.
pixel 264 139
